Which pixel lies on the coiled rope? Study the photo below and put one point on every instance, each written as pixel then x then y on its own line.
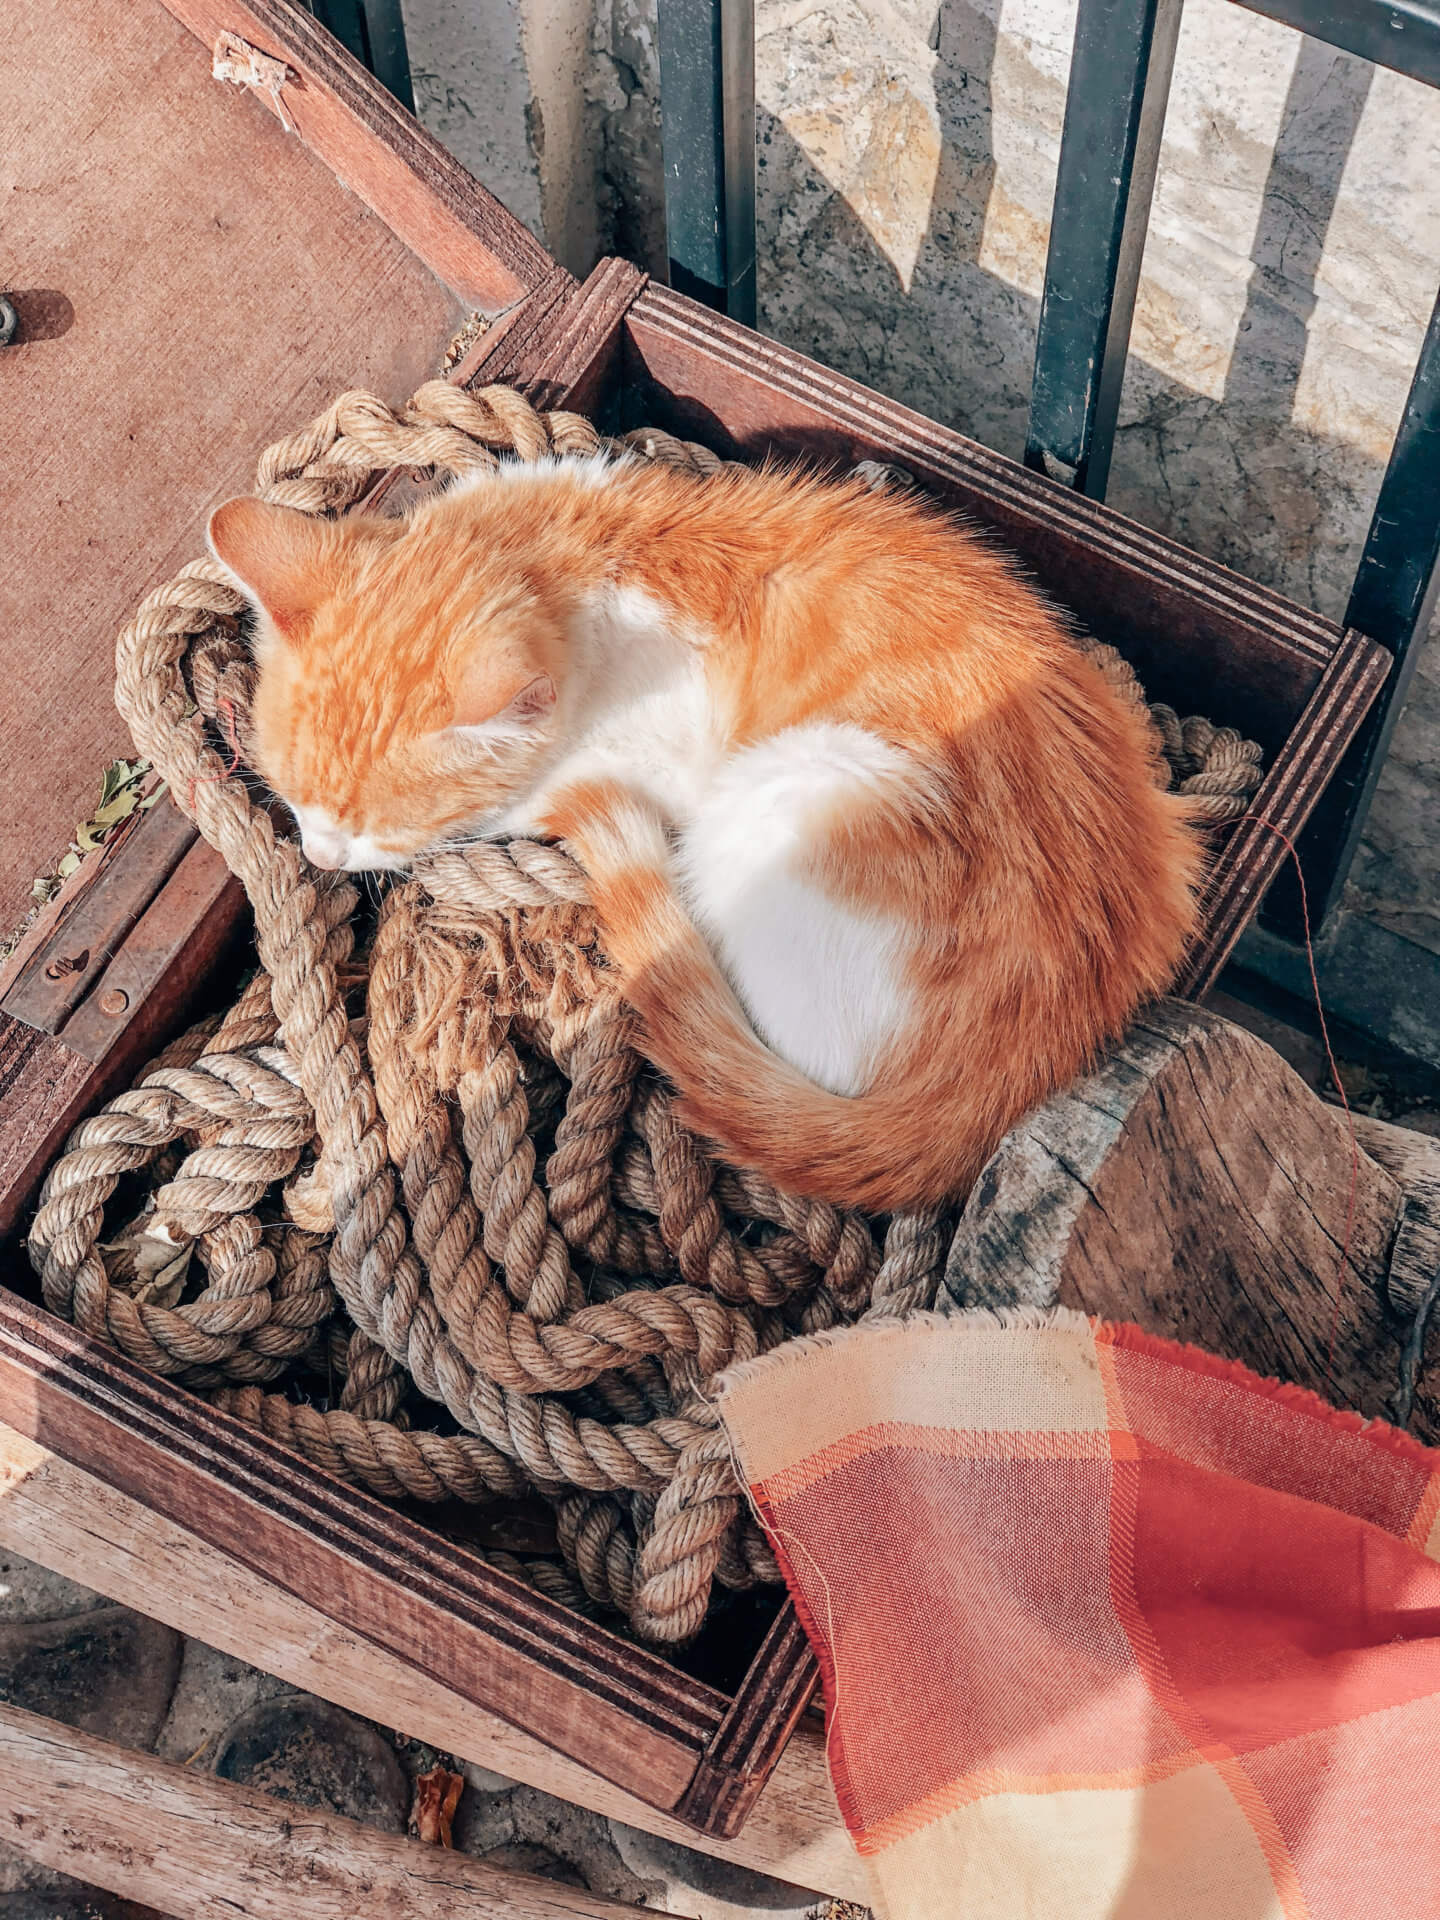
pixel 439 1170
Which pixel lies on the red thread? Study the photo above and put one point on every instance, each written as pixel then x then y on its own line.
pixel 226 712
pixel 1339 1088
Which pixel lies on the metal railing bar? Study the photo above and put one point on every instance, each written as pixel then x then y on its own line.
pixel 707 124
pixel 1403 35
pixel 1393 600
pixel 1114 116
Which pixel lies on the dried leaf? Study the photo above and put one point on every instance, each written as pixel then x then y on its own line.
pixel 113 778
pixel 165 1288
pixel 68 865
pixel 158 794
pixel 118 807
pixel 437 1794
pixel 120 1249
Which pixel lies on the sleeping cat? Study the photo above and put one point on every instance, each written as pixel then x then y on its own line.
pixel 881 858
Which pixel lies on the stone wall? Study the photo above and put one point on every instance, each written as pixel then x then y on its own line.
pixel 907 159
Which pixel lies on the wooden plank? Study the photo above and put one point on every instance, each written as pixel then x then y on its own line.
pixel 560 346
pixel 777 1688
pixel 573 365
pixel 1201 637
pixel 382 153
pixel 44 1087
pixel 168 956
pixel 53 1512
pixel 436 1606
pixel 93 865
pixel 135 1002
pixel 206 1849
pixel 62 969
pixel 150 376
pixel 1259 849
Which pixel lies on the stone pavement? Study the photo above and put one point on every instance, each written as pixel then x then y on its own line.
pixel 78 1658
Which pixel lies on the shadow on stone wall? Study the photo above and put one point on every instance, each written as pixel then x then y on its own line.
pixel 1233 476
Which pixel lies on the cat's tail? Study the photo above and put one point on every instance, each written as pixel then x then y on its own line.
pixel 902 1145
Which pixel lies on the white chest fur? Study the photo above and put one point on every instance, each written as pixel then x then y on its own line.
pixel 635 709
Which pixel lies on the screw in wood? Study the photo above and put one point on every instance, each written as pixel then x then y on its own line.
pixel 114 1000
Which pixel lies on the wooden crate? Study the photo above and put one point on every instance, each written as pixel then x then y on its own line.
pixel 266 286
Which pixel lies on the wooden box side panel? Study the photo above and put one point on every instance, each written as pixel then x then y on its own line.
pixel 366 138
pixel 639 1722
pixel 1204 639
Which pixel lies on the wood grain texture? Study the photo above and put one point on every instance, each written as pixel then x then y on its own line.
pixel 205 1849
pixel 574 362
pixel 145 967
pixel 777 1688
pixel 1259 849
pixel 44 1086
pixel 62 968
pixel 435 1605
pixel 261 290
pixel 382 153
pixel 1196 1186
pixel 53 1512
pixel 94 865
pixel 161 964
pixel 1413 1159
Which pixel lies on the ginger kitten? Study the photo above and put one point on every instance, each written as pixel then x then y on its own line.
pixel 882 859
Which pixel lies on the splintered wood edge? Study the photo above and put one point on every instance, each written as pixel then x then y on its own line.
pixel 55 1513
pixel 775 1692
pixel 469 241
pixel 1196 1186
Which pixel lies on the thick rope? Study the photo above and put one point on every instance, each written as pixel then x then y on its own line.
pixel 440 1171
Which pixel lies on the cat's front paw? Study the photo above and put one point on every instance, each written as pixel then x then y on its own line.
pixel 610 828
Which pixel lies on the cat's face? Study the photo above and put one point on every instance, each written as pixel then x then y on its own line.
pixel 406 687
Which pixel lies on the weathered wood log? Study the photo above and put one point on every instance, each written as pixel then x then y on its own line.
pixel 203 1849
pixel 67 1519
pixel 1196 1186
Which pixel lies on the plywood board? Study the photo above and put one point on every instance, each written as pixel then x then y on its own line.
pixel 191 283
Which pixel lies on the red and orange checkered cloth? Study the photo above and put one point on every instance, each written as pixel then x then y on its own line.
pixel 1109 1630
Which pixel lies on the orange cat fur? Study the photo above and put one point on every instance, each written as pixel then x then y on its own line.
pixel 839 780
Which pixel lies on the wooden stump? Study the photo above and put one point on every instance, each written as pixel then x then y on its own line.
pixel 1196 1186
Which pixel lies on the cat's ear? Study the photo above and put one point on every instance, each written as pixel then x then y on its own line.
pixel 276 554
pixel 501 698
